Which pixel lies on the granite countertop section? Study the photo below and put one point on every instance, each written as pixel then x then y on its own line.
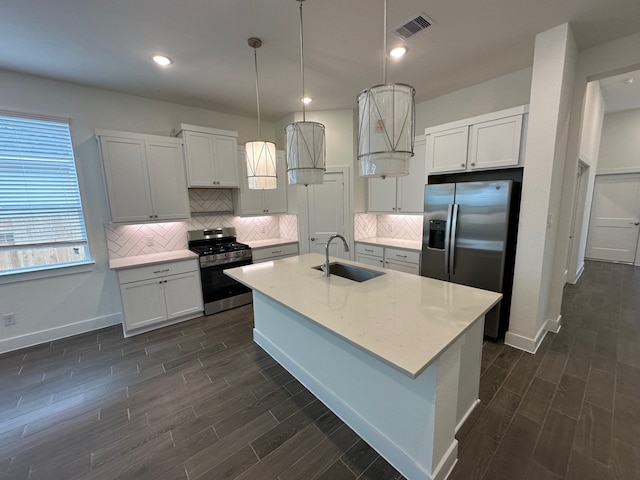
pixel 405 320
pixel 270 242
pixel 150 259
pixel 393 242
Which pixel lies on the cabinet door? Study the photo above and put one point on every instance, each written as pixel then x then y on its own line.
pixel 225 161
pixel 276 200
pixel 495 144
pixel 126 178
pixel 411 187
pixel 447 150
pixel 183 294
pixel 200 156
pixel 382 195
pixel 167 180
pixel 367 260
pixel 413 268
pixel 143 303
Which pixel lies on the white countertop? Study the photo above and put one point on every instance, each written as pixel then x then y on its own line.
pixel 405 320
pixel 392 242
pixel 150 259
pixel 270 242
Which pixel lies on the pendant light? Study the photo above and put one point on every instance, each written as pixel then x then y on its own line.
pixel 386 125
pixel 261 156
pixel 306 150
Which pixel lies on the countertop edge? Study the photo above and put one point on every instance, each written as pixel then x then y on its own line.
pixel 412 245
pixel 150 259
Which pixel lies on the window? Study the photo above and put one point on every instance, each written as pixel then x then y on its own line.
pixel 41 221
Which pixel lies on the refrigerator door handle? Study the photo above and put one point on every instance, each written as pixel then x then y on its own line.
pixel 452 245
pixel 446 239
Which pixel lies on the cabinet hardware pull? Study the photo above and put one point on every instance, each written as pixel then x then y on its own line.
pixel 276 251
pixel 473 164
pixel 462 165
pixel 401 256
pixel 368 250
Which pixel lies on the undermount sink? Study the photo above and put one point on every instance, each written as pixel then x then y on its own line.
pixel 351 272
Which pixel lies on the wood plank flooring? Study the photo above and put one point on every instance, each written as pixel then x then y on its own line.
pixel 200 400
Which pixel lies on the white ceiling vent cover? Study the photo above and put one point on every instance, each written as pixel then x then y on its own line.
pixel 412 26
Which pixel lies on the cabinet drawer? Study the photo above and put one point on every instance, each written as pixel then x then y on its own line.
pixel 136 274
pixel 402 255
pixel 267 253
pixel 366 249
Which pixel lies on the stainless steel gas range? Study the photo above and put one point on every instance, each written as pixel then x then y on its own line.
pixel 219 250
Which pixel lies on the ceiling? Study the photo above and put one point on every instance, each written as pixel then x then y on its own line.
pixel 620 93
pixel 109 44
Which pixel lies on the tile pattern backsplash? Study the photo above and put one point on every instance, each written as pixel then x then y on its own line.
pixel 404 227
pixel 364 225
pixel 210 200
pixel 210 207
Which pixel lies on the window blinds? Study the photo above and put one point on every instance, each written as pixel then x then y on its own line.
pixel 39 197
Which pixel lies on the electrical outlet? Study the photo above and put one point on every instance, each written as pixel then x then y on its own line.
pixel 150 241
pixel 262 229
pixel 390 226
pixel 9 319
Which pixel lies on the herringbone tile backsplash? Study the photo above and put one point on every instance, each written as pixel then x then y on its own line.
pixel 210 208
pixel 404 227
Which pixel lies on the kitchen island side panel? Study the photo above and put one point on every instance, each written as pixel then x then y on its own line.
pixel 410 422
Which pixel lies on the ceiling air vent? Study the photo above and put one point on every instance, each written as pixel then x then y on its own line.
pixel 414 25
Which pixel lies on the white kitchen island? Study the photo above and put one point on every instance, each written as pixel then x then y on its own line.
pixel 397 357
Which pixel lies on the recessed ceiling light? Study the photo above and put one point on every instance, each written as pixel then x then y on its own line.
pixel 398 52
pixel 306 100
pixel 628 81
pixel 162 60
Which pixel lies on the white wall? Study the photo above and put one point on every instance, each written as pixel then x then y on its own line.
pixel 503 92
pixel 620 146
pixel 592 119
pixel 551 87
pixel 53 307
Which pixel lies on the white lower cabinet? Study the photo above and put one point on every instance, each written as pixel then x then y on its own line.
pixel 406 261
pixel 370 254
pixel 274 252
pixel 399 259
pixel 160 294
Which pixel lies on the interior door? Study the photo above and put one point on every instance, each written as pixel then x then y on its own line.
pixel 615 218
pixel 326 214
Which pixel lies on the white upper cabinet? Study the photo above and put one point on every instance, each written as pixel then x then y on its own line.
pixel 495 144
pixel 248 202
pixel 401 194
pixel 144 177
pixel 447 150
pixel 480 143
pixel 211 156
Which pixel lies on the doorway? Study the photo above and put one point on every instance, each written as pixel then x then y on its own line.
pixel 614 227
pixel 324 211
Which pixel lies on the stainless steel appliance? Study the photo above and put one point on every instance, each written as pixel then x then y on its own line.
pixel 465 233
pixel 218 250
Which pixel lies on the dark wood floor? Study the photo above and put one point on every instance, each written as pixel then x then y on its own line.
pixel 199 400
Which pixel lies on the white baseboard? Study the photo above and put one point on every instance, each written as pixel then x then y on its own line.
pixel 467 415
pixel 554 326
pixel 525 343
pixel 50 334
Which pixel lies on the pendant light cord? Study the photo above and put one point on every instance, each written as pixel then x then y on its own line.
pixel 384 51
pixel 302 62
pixel 255 60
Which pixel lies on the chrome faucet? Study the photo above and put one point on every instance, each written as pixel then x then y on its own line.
pixel 325 268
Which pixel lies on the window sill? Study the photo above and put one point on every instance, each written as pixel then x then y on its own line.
pixel 45 272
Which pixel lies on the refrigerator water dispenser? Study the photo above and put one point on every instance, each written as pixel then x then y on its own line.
pixel 437 230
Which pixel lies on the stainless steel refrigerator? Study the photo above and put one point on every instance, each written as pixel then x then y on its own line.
pixel 465 233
